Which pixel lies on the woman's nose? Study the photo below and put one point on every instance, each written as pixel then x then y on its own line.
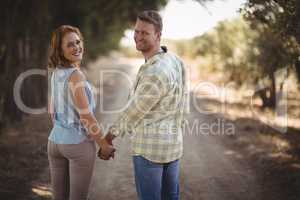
pixel 77 46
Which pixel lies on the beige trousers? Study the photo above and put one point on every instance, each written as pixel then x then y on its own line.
pixel 71 169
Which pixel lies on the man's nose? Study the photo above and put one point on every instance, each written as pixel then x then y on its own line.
pixel 138 36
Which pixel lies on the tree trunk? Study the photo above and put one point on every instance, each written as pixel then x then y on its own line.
pixel 273 92
pixel 268 94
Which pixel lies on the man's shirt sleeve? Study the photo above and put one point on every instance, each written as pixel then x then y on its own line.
pixel 150 89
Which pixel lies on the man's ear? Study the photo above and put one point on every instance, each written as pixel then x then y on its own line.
pixel 158 35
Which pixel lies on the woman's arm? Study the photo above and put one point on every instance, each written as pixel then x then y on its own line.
pixel 87 118
pixel 51 109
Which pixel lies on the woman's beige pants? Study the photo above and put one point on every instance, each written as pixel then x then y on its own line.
pixel 71 169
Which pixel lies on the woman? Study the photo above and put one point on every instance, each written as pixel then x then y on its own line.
pixel 71 148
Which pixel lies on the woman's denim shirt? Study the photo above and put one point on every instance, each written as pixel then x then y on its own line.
pixel 67 127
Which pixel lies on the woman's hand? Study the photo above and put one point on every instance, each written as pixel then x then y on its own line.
pixel 106 150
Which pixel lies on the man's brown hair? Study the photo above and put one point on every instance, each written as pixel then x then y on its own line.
pixel 152 17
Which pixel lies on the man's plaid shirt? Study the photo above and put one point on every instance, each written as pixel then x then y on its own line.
pixel 154 116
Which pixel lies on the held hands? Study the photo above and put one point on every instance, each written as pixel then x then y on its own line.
pixel 107 150
pixel 109 138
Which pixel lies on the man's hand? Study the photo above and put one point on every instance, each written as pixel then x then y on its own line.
pixel 106 150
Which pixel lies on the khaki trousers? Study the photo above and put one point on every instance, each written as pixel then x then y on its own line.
pixel 71 169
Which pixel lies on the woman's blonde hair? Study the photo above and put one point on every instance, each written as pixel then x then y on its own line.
pixel 56 56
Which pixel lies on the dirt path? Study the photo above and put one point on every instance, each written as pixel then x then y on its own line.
pixel 114 179
pixel 209 168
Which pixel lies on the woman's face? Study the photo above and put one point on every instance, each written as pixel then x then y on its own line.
pixel 72 48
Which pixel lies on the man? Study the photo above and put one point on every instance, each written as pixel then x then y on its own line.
pixel 154 115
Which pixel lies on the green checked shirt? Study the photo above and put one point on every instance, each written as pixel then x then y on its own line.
pixel 154 115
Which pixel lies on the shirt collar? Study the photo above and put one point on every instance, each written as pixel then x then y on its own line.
pixel 163 49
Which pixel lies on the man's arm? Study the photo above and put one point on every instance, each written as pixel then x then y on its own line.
pixel 151 88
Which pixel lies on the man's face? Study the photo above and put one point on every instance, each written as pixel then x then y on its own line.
pixel 145 36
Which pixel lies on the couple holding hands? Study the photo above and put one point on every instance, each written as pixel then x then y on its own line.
pixel 153 116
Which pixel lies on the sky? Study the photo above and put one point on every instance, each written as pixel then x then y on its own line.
pixel 185 19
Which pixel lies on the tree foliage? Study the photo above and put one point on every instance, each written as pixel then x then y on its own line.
pixel 280 18
pixel 254 53
pixel 25 34
pixel 279 44
pixel 247 55
pixel 227 48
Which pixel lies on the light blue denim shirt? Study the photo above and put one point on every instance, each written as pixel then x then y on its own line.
pixel 67 127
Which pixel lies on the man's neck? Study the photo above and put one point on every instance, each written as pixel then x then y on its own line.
pixel 151 53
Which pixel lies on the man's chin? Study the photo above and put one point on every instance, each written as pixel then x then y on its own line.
pixel 140 49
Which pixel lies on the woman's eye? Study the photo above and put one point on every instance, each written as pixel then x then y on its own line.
pixel 73 44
